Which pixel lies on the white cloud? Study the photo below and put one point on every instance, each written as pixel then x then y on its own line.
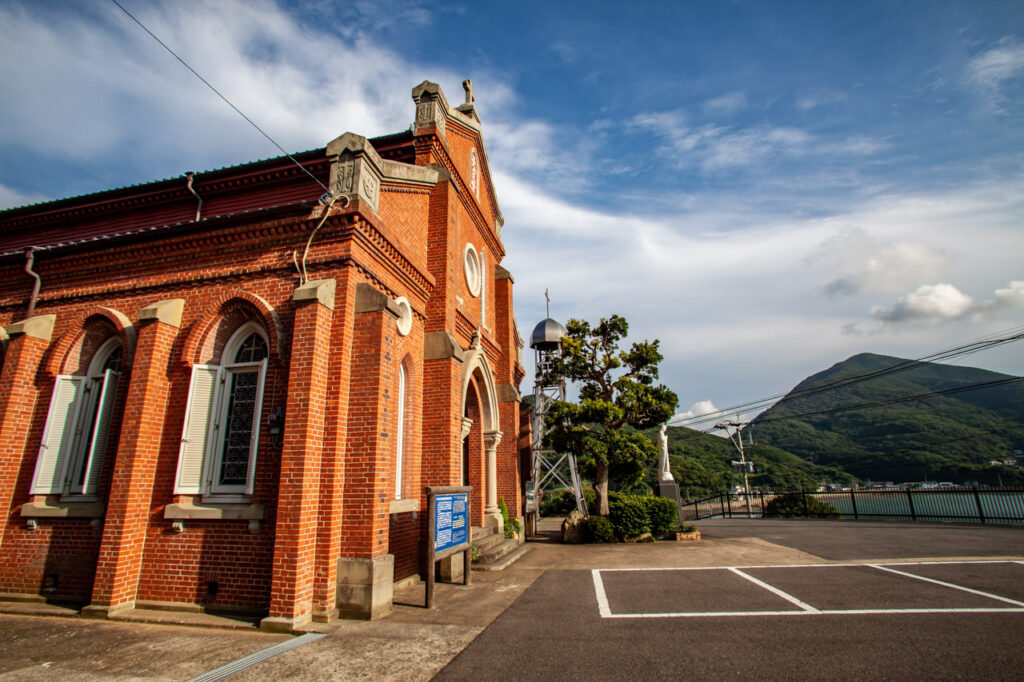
pixel 933 303
pixel 698 409
pixel 1008 301
pixel 990 70
pixel 717 148
pixel 928 303
pixel 1012 296
pixel 727 104
pixel 865 264
pixel 811 100
pixel 302 86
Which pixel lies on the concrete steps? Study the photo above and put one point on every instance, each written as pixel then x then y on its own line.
pixel 494 552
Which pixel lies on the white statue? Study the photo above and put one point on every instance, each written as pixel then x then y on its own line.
pixel 664 473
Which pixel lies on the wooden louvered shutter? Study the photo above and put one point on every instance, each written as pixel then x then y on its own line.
pixel 58 436
pixel 199 429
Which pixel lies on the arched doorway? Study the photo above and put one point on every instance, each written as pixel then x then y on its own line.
pixel 481 428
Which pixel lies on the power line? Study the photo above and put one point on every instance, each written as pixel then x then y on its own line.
pixel 965 349
pixel 892 401
pixel 226 100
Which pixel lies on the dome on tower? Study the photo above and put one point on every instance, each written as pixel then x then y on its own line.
pixel 547 334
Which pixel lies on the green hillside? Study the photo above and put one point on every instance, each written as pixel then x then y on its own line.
pixel 952 437
pixel 701 464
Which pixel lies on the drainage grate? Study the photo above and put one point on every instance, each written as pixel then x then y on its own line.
pixel 229 669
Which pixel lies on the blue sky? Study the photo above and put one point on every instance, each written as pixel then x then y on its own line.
pixel 767 187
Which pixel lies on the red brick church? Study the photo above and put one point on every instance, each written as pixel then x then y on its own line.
pixel 226 391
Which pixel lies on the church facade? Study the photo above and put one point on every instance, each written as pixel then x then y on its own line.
pixel 229 390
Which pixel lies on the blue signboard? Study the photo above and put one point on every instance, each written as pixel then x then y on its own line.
pixel 451 527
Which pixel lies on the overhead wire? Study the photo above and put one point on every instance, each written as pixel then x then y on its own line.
pixel 238 111
pixel 984 343
pixel 892 401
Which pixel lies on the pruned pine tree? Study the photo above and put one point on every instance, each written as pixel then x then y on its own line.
pixel 617 396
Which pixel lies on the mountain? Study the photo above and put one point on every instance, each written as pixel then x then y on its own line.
pixel 952 437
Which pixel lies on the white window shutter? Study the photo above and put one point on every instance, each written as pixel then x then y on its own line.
pixel 250 478
pixel 199 429
pixel 101 428
pixel 58 436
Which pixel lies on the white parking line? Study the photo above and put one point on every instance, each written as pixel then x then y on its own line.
pixel 945 584
pixel 834 565
pixel 774 590
pixel 604 608
pixel 602 598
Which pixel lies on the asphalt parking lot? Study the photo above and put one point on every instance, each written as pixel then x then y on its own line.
pixel 756 599
pixel 861 621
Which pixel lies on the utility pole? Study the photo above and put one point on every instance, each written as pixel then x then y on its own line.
pixel 743 465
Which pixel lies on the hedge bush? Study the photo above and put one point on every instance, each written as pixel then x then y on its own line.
pixel 628 515
pixel 598 529
pixel 662 513
pixel 792 505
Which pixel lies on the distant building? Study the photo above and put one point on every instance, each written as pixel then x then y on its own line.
pixel 186 418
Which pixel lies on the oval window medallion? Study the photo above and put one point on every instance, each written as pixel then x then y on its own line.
pixel 405 316
pixel 471 266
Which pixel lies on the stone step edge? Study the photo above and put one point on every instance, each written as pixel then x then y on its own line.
pixel 505 561
pixel 497 552
pixel 488 543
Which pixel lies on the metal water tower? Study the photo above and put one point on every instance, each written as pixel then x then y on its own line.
pixel 549 467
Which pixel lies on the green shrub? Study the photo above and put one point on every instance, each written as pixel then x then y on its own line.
pixel 512 526
pixel 598 529
pixel 662 513
pixel 629 517
pixel 793 504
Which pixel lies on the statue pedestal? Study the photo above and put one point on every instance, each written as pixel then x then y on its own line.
pixel 670 489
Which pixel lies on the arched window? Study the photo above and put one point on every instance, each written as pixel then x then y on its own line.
pixel 400 438
pixel 74 446
pixel 221 434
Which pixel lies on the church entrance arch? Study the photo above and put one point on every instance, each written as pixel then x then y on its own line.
pixel 478 392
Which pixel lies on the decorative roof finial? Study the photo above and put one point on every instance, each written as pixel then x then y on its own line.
pixel 467 85
pixel 548 299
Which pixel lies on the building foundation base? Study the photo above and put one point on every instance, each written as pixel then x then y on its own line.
pixel 365 587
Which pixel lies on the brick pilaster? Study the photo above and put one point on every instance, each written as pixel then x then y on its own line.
pixel 28 341
pixel 332 463
pixel 291 593
pixel 442 423
pixel 370 448
pixel 509 484
pixel 131 487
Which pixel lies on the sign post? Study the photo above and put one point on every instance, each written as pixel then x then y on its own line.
pixel 448 517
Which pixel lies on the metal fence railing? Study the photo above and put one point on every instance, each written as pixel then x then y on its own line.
pixel 973 505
